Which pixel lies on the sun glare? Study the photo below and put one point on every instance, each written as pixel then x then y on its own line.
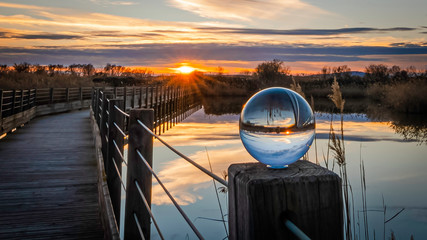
pixel 185 69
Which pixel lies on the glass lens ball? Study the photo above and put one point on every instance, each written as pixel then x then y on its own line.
pixel 277 126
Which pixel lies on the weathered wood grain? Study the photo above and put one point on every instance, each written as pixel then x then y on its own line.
pixel 304 193
pixel 48 185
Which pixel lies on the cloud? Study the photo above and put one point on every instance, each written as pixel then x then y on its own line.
pixel 22 6
pixel 45 36
pixel 107 2
pixel 149 54
pixel 299 32
pixel 244 10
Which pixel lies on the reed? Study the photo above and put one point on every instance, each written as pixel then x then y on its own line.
pixel 296 87
pixel 337 146
pixel 216 192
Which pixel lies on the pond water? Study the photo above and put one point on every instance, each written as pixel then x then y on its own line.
pixel 395 170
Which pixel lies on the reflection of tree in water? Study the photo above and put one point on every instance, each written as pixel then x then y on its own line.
pixel 412 127
pixel 223 105
pixel 417 132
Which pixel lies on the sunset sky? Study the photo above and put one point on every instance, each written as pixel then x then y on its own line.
pixel 236 35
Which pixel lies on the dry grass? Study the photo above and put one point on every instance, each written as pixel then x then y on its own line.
pixel 296 87
pixel 407 97
pixel 14 80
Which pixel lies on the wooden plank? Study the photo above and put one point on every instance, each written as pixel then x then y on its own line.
pixel 48 188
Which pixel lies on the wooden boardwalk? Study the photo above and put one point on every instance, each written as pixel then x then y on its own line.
pixel 48 180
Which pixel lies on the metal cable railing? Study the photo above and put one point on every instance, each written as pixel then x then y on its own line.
pixel 121 111
pixel 170 196
pixel 144 200
pixel 141 234
pixel 209 173
pixel 120 130
pixel 118 173
pixel 122 158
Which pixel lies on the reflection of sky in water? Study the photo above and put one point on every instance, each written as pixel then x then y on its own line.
pixel 394 168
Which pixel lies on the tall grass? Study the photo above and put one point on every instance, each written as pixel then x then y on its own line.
pixel 337 146
pixel 406 97
pixel 216 192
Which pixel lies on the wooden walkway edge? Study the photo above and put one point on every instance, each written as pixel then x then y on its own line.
pixel 48 180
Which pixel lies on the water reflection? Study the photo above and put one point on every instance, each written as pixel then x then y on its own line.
pixel 395 168
pixel 410 127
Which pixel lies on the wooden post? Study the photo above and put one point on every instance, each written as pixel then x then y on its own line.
pixel 13 102
pixel 125 95
pixel 133 97
pixel 156 112
pixel 21 101
pixel 67 95
pixel 152 94
pixel 81 94
pixel 170 106
pixel 1 105
pixel 103 125
pixel 98 104
pixel 35 98
pixel 146 97
pixel 51 96
pixel 113 179
pixel 262 199
pixel 93 95
pixel 140 97
pixel 161 109
pixel 139 139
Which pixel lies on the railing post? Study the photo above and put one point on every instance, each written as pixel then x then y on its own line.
pixel 97 103
pixel 51 96
pixel 67 95
pixel 152 97
pixel 35 98
pixel 21 104
pixel 81 94
pixel 93 96
pixel 139 139
pixel 146 97
pixel 115 92
pixel 125 95
pixel 140 97
pixel 103 125
pixel 133 97
pixel 113 179
pixel 1 105
pixel 32 100
pixel 13 102
pixel 262 200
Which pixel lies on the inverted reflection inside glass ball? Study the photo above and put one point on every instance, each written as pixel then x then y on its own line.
pixel 277 126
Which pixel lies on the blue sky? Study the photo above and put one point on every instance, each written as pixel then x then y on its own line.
pixel 235 35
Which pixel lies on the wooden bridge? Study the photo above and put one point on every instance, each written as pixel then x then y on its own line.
pixel 49 180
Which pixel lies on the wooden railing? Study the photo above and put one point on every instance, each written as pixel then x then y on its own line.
pixel 110 107
pixel 17 107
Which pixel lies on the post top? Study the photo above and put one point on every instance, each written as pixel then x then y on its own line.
pixel 299 169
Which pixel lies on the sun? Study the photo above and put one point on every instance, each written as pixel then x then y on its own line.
pixel 185 69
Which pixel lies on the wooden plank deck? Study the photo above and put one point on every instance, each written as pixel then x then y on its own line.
pixel 48 180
